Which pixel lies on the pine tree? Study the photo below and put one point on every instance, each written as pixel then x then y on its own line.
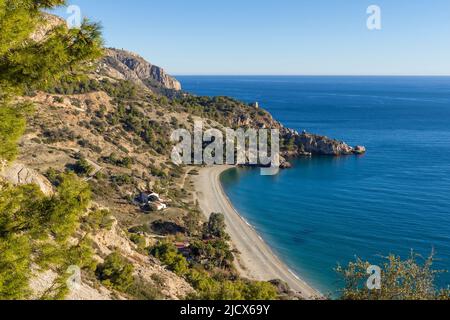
pixel 35 229
pixel 28 62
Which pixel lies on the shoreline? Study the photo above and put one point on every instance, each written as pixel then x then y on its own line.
pixel 256 260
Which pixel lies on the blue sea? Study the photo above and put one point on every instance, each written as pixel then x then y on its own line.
pixel 327 211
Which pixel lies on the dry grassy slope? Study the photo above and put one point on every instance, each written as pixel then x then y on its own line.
pixel 63 126
pixel 65 118
pixel 66 126
pixel 146 268
pixel 65 121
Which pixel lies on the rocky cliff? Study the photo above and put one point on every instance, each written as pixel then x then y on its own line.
pixel 308 144
pixel 125 65
pixel 316 144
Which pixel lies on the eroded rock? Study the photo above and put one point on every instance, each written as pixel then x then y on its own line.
pixel 19 174
pixel 130 66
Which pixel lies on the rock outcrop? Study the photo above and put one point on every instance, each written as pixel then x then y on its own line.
pixel 360 150
pixel 50 22
pixel 119 64
pixel 19 174
pixel 308 144
pixel 42 281
pixel 125 65
pixel 316 144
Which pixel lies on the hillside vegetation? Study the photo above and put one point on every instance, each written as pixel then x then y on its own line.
pixel 95 128
pixel 99 138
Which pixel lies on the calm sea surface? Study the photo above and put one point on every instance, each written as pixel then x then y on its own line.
pixel 327 210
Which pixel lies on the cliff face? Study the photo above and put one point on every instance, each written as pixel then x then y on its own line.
pixel 118 64
pixel 124 65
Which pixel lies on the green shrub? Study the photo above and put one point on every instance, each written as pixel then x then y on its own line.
pixel 122 179
pixel 116 272
pixel 98 220
pixel 54 135
pixel 58 99
pixel 168 254
pixel 210 288
pixel 34 229
pixel 118 162
pixel 54 176
pixel 401 280
pixel 12 126
pixel 82 167
pixel 212 254
pixel 215 227
pixel 138 240
pixel 142 290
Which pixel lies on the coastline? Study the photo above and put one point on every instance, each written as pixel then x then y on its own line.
pixel 256 261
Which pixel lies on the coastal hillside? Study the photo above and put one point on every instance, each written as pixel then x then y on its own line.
pixel 97 142
pixel 92 207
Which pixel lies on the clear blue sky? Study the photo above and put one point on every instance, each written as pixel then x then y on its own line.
pixel 279 37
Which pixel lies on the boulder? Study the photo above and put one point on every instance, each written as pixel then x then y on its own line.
pixel 19 174
pixel 286 165
pixel 360 150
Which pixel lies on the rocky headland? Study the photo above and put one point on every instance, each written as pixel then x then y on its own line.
pixel 125 65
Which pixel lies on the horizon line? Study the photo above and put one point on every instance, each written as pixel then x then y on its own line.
pixel 305 75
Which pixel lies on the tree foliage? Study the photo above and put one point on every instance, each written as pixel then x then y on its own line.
pixel 15 254
pixel 35 229
pixel 168 254
pixel 215 288
pixel 400 280
pixel 116 272
pixel 12 126
pixel 82 167
pixel 216 227
pixel 98 220
pixel 213 254
pixel 29 62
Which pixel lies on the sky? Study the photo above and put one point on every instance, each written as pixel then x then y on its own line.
pixel 278 37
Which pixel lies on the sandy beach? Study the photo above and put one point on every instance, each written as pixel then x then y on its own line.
pixel 257 261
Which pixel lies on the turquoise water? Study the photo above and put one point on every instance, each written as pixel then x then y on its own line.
pixel 326 210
